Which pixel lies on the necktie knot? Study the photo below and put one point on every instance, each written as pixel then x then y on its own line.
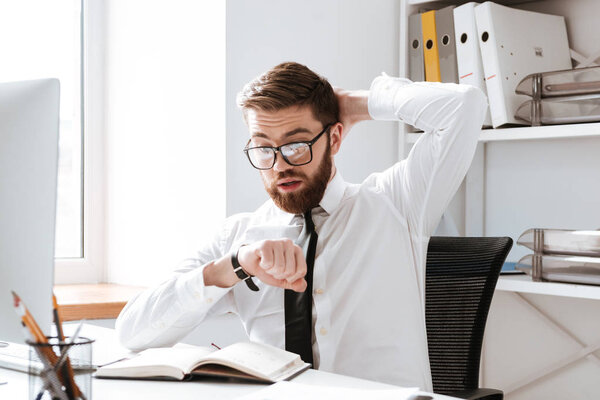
pixel 310 226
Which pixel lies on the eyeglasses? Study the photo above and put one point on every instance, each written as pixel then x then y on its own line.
pixel 296 153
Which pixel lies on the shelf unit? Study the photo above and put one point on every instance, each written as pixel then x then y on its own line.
pixel 409 137
pixel 524 284
pixel 474 192
pixel 539 335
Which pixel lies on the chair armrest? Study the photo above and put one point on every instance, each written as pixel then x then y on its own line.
pixel 479 394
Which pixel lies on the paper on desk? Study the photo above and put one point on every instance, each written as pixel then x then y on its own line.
pixel 298 391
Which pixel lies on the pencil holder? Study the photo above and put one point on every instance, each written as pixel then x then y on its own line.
pixel 60 370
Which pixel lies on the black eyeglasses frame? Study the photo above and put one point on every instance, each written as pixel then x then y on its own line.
pixel 278 150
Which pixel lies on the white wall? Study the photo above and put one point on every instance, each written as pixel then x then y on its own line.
pixel 348 41
pixel 549 184
pixel 165 142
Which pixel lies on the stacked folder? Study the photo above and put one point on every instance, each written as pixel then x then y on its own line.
pixel 489 46
pixel 561 255
pixel 560 97
pixel 432 46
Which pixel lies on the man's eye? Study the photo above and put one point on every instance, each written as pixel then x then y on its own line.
pixel 260 148
pixel 295 147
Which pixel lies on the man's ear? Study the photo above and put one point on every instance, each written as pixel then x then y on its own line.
pixel 335 137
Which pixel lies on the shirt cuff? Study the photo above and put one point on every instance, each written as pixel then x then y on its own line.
pixel 381 97
pixel 192 292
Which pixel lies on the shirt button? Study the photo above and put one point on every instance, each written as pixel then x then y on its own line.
pixel 323 331
pixel 158 325
pixel 319 291
pixel 209 300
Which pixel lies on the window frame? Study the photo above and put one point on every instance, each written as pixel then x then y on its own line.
pixel 90 268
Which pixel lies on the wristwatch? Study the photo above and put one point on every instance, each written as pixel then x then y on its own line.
pixel 239 271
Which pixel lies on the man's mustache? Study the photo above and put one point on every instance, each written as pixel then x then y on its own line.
pixel 290 174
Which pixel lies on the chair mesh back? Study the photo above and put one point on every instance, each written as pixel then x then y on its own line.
pixel 460 280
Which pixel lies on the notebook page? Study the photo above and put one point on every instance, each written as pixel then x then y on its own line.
pixel 182 358
pixel 261 358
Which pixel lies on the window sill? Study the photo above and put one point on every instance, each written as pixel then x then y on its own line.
pixel 93 301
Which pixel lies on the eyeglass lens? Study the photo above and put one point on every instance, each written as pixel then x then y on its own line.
pixel 294 153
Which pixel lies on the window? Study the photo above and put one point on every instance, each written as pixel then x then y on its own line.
pixel 136 137
pixel 43 39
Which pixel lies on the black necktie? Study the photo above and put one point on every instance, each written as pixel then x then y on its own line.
pixel 298 306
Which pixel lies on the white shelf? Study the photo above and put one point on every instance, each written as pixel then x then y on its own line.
pixel 524 284
pixel 453 2
pixel 531 133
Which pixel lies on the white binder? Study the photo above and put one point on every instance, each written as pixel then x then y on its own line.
pixel 515 43
pixel 468 54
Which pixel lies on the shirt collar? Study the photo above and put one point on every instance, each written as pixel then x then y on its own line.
pixel 333 193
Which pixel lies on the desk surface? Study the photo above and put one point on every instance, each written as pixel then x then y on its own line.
pixel 112 389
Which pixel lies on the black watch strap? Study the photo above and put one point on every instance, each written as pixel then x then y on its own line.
pixel 239 271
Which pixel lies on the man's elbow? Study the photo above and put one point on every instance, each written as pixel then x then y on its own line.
pixel 475 105
pixel 463 109
pixel 126 330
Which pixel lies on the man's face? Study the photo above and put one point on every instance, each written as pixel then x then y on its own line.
pixel 294 189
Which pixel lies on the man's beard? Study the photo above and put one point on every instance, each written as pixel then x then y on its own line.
pixel 304 199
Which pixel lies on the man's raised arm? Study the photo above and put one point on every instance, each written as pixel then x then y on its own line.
pixel 451 117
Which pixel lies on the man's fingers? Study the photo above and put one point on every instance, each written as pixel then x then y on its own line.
pixel 283 259
pixel 290 261
pixel 281 263
pixel 266 257
pixel 300 262
pixel 269 280
pixel 278 266
pixel 299 285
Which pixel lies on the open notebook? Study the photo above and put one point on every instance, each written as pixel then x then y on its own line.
pixel 244 360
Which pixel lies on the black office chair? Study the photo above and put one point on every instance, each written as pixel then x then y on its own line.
pixel 460 280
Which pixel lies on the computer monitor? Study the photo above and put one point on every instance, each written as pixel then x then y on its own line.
pixel 29 121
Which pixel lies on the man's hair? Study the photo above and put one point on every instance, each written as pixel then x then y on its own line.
pixel 291 84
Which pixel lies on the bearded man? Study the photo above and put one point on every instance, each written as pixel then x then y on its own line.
pixel 330 270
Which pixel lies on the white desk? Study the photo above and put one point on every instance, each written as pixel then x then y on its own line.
pixel 113 389
pixel 105 389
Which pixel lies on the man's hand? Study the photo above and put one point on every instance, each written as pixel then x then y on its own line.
pixel 353 107
pixel 277 262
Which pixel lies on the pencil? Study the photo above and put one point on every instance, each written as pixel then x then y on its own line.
pixel 57 320
pixel 35 333
pixel 28 320
pixel 67 369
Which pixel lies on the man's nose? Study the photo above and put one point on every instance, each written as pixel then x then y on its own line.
pixel 280 164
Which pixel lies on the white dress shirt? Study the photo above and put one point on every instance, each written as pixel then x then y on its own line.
pixel 369 271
